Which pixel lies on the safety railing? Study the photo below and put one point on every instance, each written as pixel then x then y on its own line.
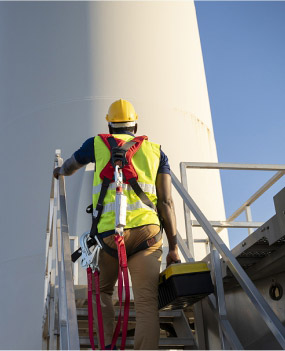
pixel 60 329
pixel 219 248
pixel 245 207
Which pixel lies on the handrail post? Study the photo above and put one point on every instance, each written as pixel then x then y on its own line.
pixel 248 217
pixel 54 330
pixel 218 291
pixel 197 308
pixel 187 213
pixel 68 320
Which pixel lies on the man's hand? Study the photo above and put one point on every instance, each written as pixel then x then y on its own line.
pixel 56 173
pixel 172 257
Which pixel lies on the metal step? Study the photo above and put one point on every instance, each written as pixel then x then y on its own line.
pixel 164 343
pixel 175 331
pixel 166 316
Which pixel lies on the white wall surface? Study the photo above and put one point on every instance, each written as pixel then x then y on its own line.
pixel 61 65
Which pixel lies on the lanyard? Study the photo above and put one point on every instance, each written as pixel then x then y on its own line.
pixel 123 277
pixel 90 308
pixel 123 282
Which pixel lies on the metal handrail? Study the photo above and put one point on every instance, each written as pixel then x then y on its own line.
pixel 228 223
pixel 60 317
pixel 235 166
pixel 252 292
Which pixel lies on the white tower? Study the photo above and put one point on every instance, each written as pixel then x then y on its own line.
pixel 62 64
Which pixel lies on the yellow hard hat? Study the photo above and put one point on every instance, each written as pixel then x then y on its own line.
pixel 121 111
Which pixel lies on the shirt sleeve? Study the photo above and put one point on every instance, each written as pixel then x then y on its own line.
pixel 85 153
pixel 70 166
pixel 163 165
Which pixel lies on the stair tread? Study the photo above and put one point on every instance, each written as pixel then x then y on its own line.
pixel 170 341
pixel 162 314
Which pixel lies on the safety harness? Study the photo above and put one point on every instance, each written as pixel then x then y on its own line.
pixel 121 170
pixel 121 153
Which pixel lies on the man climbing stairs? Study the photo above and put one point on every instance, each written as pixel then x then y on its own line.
pixel 217 321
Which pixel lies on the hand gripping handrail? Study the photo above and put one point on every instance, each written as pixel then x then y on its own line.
pixel 252 292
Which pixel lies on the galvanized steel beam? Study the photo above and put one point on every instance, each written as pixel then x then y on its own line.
pixel 227 224
pixel 235 166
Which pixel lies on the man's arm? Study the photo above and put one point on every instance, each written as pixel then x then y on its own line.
pixel 69 167
pixel 165 207
pixel 80 158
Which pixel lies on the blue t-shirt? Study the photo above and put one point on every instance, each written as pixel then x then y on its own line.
pixel 85 155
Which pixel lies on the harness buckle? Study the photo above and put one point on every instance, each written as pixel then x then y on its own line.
pixel 118 155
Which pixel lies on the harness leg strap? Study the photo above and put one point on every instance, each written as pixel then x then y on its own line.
pixel 90 308
pixel 98 306
pixel 123 279
pixel 99 311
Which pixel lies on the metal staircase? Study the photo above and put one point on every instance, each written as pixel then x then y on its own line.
pixel 175 328
pixel 216 322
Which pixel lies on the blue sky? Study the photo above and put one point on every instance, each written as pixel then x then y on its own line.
pixel 243 44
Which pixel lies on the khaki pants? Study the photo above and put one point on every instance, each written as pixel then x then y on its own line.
pixel 144 267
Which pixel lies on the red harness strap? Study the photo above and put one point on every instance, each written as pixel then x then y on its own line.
pixel 90 309
pixel 128 170
pixel 123 277
pixel 123 281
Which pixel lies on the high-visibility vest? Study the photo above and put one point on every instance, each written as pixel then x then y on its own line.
pixel 146 162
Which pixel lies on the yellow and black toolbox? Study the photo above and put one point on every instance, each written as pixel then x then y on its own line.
pixel 183 284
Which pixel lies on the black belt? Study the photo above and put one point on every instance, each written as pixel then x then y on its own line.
pixel 144 245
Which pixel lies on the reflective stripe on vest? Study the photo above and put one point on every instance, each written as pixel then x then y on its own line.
pixel 130 207
pixel 146 163
pixel 147 188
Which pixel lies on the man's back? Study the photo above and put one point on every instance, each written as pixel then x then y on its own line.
pixel 149 209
